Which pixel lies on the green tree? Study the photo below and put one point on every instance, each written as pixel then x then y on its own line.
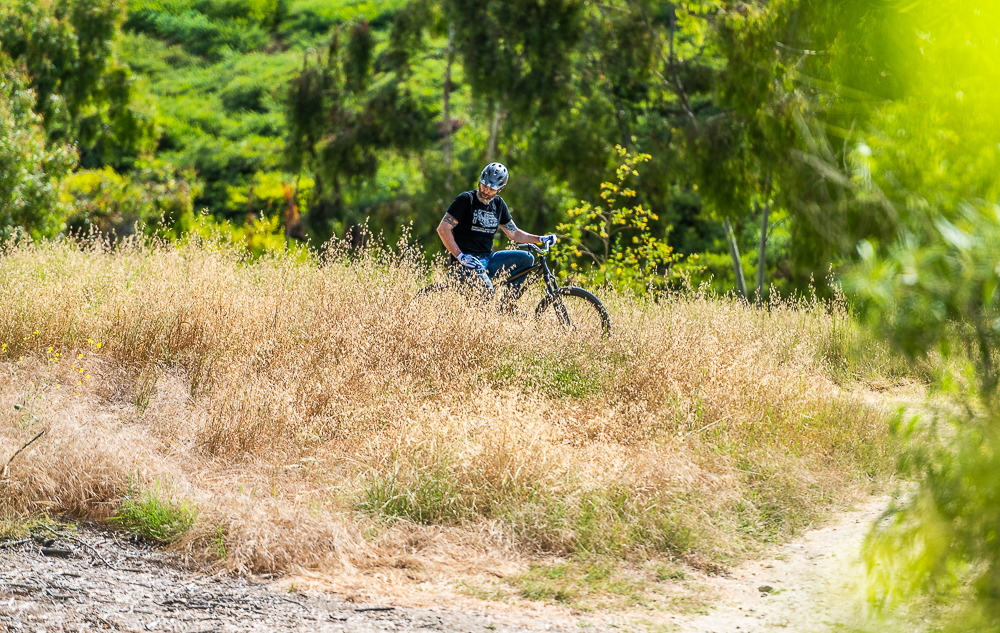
pixel 342 114
pixel 516 55
pixel 699 87
pixel 627 255
pixel 84 96
pixel 30 168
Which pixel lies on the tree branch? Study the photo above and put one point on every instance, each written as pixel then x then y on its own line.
pixel 677 80
pixel 676 86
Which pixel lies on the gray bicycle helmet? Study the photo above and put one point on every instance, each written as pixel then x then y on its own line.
pixel 494 176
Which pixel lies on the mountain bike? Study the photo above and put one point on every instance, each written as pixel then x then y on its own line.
pixel 567 308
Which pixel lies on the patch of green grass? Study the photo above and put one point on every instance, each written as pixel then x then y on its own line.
pixel 19 527
pixel 428 496
pixel 612 520
pixel 152 516
pixel 550 376
pixel 585 584
pixel 594 583
pixel 664 572
pixel 547 590
pixel 491 593
pixel 609 583
pixel 219 540
pixel 545 514
pixel 573 381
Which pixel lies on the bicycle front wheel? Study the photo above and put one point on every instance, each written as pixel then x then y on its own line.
pixel 575 311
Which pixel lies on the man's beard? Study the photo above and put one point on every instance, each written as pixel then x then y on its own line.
pixel 483 198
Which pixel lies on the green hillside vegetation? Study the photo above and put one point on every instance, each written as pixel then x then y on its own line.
pixel 548 89
pixel 218 74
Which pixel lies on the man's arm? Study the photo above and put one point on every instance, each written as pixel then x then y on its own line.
pixel 515 234
pixel 445 231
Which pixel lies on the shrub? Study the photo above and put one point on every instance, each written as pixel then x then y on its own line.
pixel 156 196
pixel 612 243
pixel 245 94
pixel 151 516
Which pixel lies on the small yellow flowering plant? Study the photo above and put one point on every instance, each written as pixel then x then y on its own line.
pixel 612 243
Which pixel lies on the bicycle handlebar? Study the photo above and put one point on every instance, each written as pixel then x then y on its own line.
pixel 533 247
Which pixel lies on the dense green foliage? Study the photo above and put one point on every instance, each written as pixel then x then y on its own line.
pixel 83 95
pixel 315 118
pixel 29 169
pixel 632 263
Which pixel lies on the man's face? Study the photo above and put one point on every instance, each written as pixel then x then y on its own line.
pixel 486 194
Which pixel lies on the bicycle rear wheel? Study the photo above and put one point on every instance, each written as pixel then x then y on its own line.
pixel 576 312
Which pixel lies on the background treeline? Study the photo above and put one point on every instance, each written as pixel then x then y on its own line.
pixel 296 119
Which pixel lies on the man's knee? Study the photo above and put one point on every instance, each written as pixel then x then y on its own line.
pixel 523 260
pixel 512 261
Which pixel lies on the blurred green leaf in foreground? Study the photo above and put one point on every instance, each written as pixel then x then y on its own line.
pixel 927 162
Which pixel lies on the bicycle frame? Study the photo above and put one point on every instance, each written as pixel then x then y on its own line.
pixel 551 286
pixel 540 269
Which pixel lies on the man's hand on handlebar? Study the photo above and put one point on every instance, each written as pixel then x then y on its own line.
pixel 548 241
pixel 540 248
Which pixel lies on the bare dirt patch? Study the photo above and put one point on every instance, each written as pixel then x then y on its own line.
pixel 136 588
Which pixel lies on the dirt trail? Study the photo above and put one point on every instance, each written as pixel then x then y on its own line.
pixel 145 592
pixel 811 585
pixel 814 587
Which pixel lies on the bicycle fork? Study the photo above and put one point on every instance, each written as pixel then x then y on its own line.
pixel 557 303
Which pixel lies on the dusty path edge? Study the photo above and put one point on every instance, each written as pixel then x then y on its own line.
pixel 814 583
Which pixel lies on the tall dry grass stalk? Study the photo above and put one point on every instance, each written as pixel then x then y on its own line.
pixel 315 417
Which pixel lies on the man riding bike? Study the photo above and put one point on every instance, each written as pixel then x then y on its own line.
pixel 469 227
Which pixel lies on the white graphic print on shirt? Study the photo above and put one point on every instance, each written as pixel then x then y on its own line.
pixel 484 221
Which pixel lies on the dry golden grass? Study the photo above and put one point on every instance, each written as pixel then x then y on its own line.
pixel 317 420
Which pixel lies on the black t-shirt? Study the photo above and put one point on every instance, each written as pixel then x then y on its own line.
pixel 477 222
